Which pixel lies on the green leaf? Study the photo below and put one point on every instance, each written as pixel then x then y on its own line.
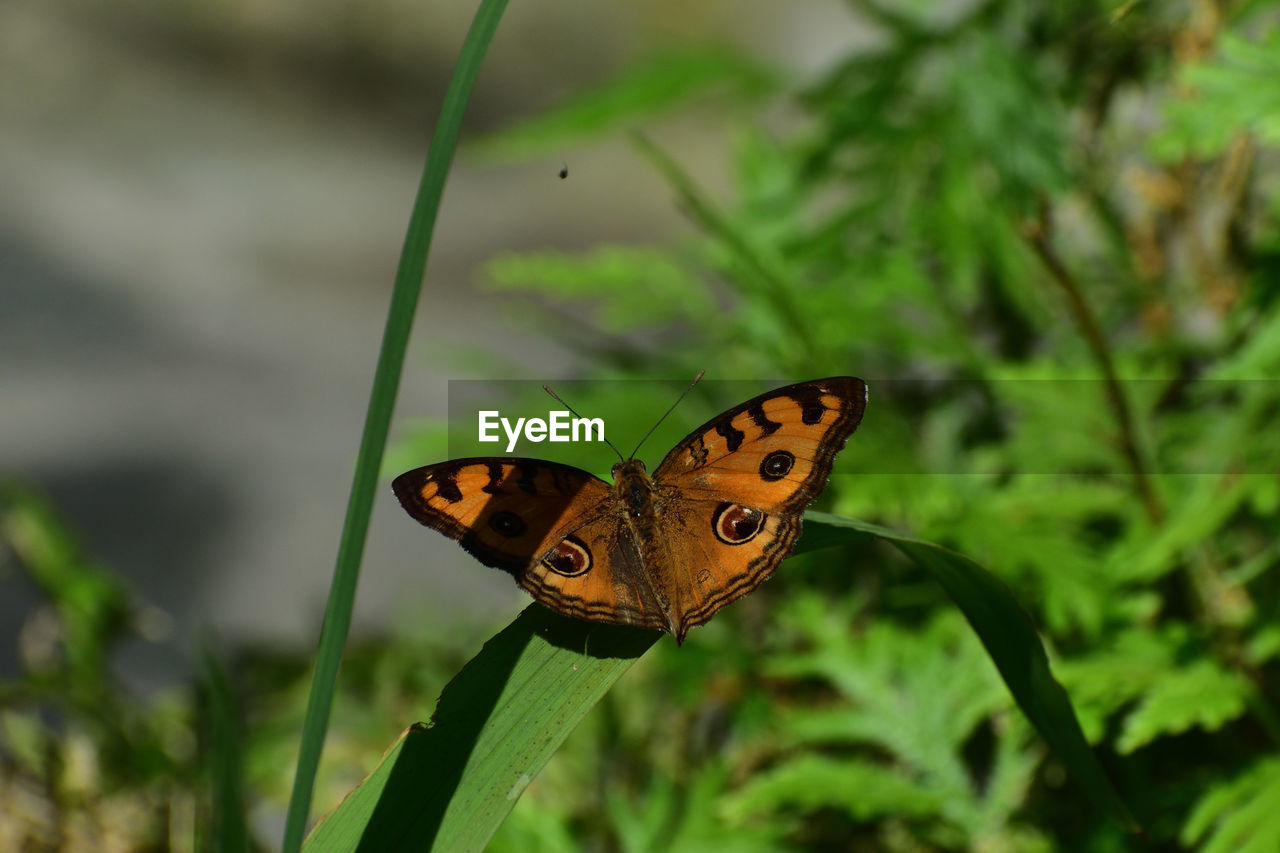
pixel 1263 646
pixel 449 785
pixel 1241 816
pixel 1203 506
pixel 915 695
pixel 93 604
pixel 1011 640
pixel 377 425
pixel 685 817
pixel 861 788
pixel 1232 92
pixel 1105 681
pixel 230 829
pixel 635 287
pixel 1202 694
pixel 1258 356
pixel 663 82
pixel 882 672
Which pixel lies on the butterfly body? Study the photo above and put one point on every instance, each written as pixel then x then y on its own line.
pixel 663 552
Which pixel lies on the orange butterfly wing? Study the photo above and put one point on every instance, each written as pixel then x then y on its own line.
pixel 736 488
pixel 552 526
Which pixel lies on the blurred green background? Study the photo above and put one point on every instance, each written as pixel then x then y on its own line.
pixel 1049 230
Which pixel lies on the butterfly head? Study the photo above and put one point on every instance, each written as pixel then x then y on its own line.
pixel 631 483
pixel 628 468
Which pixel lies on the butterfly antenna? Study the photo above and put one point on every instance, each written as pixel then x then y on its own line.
pixel 695 381
pixel 556 397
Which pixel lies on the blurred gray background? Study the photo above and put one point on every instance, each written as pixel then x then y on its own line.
pixel 201 210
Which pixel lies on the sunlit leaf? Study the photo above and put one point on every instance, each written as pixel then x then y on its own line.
pixel 1239 816
pixel 1202 694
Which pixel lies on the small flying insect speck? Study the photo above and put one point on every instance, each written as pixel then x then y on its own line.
pixel 564 171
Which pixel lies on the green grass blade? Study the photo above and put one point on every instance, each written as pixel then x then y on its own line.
pixel 449 786
pixel 230 832
pixel 1011 640
pixel 386 383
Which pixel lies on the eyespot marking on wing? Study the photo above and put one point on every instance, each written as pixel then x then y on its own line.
pixel 507 523
pixel 571 558
pixel 776 465
pixel 735 524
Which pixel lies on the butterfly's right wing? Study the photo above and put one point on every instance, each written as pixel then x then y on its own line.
pixel 548 524
pixel 738 485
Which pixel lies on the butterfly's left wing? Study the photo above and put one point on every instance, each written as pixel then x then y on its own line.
pixel 549 525
pixel 739 484
pixel 506 512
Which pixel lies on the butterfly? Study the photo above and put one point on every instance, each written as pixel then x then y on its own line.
pixel 666 552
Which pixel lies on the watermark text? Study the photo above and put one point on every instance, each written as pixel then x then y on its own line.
pixel 559 426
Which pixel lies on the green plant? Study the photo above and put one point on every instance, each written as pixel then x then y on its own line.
pixel 83 761
pixel 1083 302
pixel 1046 234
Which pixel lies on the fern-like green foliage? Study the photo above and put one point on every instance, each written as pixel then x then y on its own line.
pixel 912 698
pixel 1241 815
pixel 634 287
pixel 1159 682
pixel 1228 92
pixel 1046 235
